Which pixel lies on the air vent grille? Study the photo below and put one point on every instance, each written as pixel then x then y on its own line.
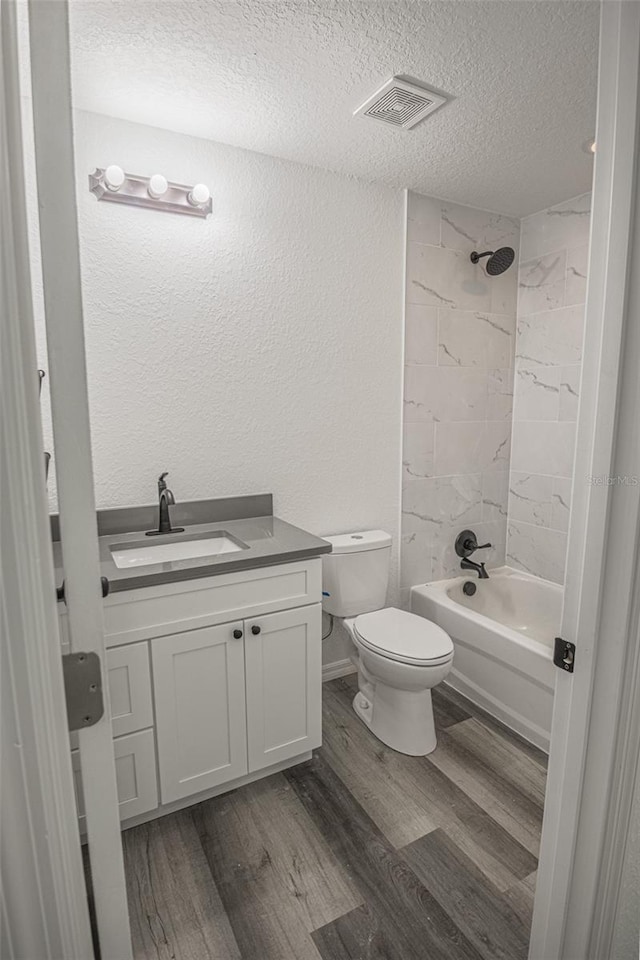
pixel 400 104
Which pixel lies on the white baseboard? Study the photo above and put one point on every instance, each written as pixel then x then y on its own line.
pixel 339 668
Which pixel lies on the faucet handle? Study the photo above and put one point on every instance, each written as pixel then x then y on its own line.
pixel 162 476
pixel 467 543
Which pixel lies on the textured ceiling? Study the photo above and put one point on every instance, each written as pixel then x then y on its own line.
pixel 283 78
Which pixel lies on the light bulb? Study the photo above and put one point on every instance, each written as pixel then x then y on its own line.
pixel 158 186
pixel 114 177
pixel 198 195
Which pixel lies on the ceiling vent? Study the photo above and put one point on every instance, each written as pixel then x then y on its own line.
pixel 400 104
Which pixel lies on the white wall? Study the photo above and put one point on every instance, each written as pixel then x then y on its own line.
pixel 259 350
pixel 552 288
pixel 460 330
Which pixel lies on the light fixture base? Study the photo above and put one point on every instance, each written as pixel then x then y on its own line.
pixel 135 191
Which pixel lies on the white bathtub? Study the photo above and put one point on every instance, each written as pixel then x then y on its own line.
pixel 503 637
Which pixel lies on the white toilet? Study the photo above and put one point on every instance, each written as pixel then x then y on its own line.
pixel 400 656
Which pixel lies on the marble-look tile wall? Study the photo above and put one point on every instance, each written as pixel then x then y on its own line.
pixel 551 294
pixel 459 346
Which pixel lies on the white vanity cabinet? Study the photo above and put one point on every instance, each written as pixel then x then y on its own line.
pixel 211 681
pixel 236 698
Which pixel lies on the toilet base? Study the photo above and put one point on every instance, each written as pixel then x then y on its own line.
pixel 401 719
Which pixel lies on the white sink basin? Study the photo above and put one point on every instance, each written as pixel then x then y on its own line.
pixel 143 553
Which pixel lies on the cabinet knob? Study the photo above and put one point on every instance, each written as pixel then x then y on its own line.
pixel 237 634
pixel 255 629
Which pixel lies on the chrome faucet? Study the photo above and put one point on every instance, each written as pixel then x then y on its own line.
pixel 166 500
pixel 466 544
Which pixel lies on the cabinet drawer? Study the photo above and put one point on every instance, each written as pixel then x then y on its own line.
pixel 129 688
pixel 129 680
pixel 173 607
pixel 135 775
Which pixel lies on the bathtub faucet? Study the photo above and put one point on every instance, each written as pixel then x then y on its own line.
pixel 466 564
pixel 466 544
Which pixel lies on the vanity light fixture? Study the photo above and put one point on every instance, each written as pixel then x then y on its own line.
pixel 158 186
pixel 199 195
pixel 114 177
pixel 155 192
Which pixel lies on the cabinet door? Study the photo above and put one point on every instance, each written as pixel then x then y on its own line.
pixel 135 775
pixel 283 659
pixel 200 709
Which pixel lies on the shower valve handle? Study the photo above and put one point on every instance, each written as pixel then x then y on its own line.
pixel 467 543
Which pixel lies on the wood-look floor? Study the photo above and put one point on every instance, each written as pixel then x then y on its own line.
pixel 359 853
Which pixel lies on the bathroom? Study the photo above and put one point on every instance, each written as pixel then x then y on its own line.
pixel 312 410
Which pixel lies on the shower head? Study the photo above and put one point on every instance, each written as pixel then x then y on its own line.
pixel 499 260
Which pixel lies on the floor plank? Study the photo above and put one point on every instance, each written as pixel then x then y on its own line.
pixel 446 710
pixel 276 875
pixel 175 910
pixel 474 904
pixel 370 771
pixel 520 898
pixel 417 925
pixel 358 935
pixel 524 746
pixel 502 755
pixel 494 788
pixel 360 854
pixel 407 797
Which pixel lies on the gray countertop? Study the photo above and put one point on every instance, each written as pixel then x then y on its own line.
pixel 269 541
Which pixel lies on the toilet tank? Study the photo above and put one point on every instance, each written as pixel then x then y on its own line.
pixel 355 575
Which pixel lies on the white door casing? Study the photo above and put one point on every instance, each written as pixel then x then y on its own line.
pixel 43 906
pixel 55 173
pixel 595 734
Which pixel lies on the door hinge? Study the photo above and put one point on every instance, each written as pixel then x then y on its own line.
pixel 564 654
pixel 83 689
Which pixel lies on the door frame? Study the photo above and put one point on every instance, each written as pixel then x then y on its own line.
pixel 595 733
pixel 43 897
pixel 49 53
pixel 588 798
pixel 50 61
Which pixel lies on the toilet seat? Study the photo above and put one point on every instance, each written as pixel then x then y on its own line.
pixel 405 637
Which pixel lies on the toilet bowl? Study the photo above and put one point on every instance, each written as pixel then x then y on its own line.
pixel 401 657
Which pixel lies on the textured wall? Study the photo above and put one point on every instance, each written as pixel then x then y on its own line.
pixel 552 287
pixel 460 327
pixel 258 350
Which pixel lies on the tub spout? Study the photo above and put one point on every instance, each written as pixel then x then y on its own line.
pixel 479 568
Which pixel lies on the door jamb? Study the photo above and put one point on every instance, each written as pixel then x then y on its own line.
pixel 579 873
pixel 44 908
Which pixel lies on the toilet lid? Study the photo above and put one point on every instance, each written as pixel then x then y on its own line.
pixel 403 636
